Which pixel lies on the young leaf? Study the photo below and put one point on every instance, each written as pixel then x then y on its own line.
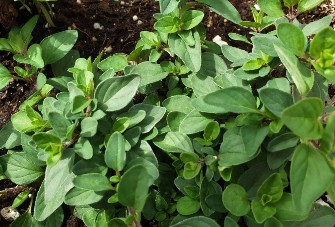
pixel 56 46
pixel 271 190
pixel 190 55
pixel 260 212
pixel 134 186
pixel 273 8
pixel 168 6
pixel 235 200
pixel 324 41
pixel 115 155
pixel 187 205
pixel 302 76
pixel 89 127
pixel 302 118
pixel 117 62
pixel 292 37
pixel 115 93
pixel 167 24
pixel 92 181
pixel 305 5
pixel 5 77
pixel 224 8
pixel 191 18
pixel 233 99
pixel 308 165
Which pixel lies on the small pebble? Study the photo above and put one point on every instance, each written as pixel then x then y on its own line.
pixel 218 40
pixel 122 2
pixel 257 7
pixel 9 213
pixel 98 26
pixel 108 49
pixel 135 18
pixel 139 22
pixel 94 39
pixel 79 2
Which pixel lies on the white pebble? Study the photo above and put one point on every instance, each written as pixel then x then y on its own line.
pixel 139 22
pixel 108 49
pixel 94 39
pixel 97 26
pixel 79 2
pixel 135 18
pixel 257 7
pixel 218 40
pixel 122 2
pixel 9 213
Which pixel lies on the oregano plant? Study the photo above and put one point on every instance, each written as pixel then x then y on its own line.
pixel 209 136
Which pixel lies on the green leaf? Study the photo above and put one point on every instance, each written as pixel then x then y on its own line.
pixel 56 46
pixel 282 142
pixel 9 138
pixel 190 55
pixel 292 37
pixel 20 198
pixel 191 169
pixel 34 57
pixel 89 126
pixel 289 3
pixel 265 44
pixel 82 197
pixel 191 18
pixel 224 8
pixel 117 62
pixel 273 8
pixel 23 168
pixel 212 65
pixel 235 200
pixel 150 38
pixel 134 186
pixel 287 211
pixel 59 123
pixel 149 72
pixel 178 103
pixel 208 188
pixel 302 118
pixel 302 76
pixel 167 24
pixel 328 137
pixel 187 123
pixel 55 219
pixel 253 64
pixel 26 219
pixel 115 93
pixel 115 155
pixel 174 142
pixel 168 6
pixel 196 221
pixel 271 190
pixel 240 145
pixel 233 99
pixel 238 37
pixel 153 114
pixel 234 54
pixel 5 77
pixel 134 117
pixel 92 181
pixel 307 167
pixel 187 206
pixel 316 26
pixel 305 5
pixel 323 42
pixel 83 148
pixel 275 100
pixel 212 131
pixel 261 213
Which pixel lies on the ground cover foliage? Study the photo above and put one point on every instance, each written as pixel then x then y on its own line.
pixel 182 131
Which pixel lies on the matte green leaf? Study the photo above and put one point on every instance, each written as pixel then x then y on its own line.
pixel 89 126
pixel 56 46
pixel 273 8
pixel 153 114
pixel 240 145
pixel 328 137
pixel 117 62
pixel 168 6
pixel 59 123
pixel 92 181
pixel 174 142
pixel 191 170
pixel 179 103
pixel 238 37
pixel 208 188
pixel 115 156
pixel 196 221
pixel 302 118
pixel 79 103
pixel 224 8
pixel 212 130
pixel 187 124
pixel 134 186
pixel 287 211
pixel 305 5
pixel 20 198
pixel 34 57
pixel 55 219
pixel 235 200
pixel 302 76
pixel 23 168
pixel 9 138
pixel 26 219
pixel 282 142
pixel 260 212
pixel 167 24
pixel 324 41
pixel 115 93
pixel 212 65
pixel 83 148
pixel 191 18
pixel 275 100
pixel 82 197
pixel 234 54
pixel 289 3
pixel 265 44
pixel 134 117
pixel 271 190
pixel 292 37
pixel 149 72
pixel 233 99
pixel 190 55
pixel 316 26
pixel 187 206
pixel 310 176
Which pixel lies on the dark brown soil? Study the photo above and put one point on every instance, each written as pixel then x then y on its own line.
pixel 120 33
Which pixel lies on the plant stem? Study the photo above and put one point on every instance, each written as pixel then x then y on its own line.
pixel 133 213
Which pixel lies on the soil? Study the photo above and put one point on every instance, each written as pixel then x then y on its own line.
pixel 119 32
